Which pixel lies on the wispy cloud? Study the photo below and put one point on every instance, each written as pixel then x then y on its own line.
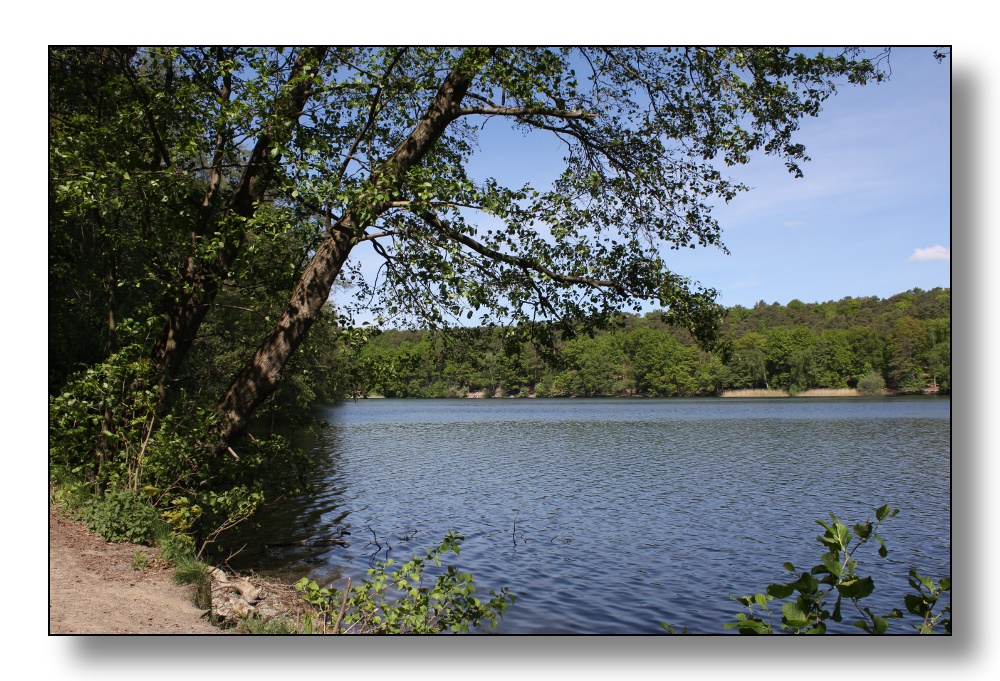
pixel 794 224
pixel 932 253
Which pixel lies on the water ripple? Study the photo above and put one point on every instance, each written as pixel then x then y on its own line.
pixel 608 516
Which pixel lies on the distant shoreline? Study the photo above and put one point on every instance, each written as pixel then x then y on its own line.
pixel 729 394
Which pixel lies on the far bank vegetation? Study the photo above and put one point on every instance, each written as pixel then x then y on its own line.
pixel 845 348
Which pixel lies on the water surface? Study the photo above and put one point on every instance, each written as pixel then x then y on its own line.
pixel 611 516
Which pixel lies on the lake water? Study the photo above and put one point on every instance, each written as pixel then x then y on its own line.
pixel 610 516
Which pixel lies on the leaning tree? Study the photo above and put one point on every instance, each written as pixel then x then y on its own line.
pixel 185 164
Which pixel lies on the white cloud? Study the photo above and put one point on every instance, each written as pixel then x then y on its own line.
pixel 932 253
pixel 793 224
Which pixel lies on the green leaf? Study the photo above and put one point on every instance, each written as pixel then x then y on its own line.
pixel 806 584
pixel 865 587
pixel 780 590
pixel 927 582
pixel 832 563
pixel 855 587
pixel 793 615
pixel 915 604
pixel 749 626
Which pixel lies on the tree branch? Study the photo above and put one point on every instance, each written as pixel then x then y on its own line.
pixel 516 261
pixel 371 116
pixel 161 148
pixel 518 111
pixel 221 138
pixel 378 235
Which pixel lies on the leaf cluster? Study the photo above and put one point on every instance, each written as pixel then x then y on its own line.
pixel 396 601
pixel 922 602
pixel 835 582
pixel 110 447
pixel 120 516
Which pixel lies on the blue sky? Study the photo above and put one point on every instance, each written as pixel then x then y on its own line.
pixel 871 217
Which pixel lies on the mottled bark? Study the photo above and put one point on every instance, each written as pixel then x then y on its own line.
pixel 262 374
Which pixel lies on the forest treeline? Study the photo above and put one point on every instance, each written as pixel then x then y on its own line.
pixel 902 342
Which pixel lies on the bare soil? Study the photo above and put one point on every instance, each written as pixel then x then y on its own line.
pixel 93 588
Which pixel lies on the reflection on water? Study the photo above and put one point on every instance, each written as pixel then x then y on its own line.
pixel 610 516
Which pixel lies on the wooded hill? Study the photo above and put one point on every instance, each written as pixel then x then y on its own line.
pixel 905 340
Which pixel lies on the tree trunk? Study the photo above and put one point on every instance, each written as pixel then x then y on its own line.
pixel 183 322
pixel 261 376
pixel 202 283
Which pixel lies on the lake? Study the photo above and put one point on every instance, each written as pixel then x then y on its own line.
pixel 609 516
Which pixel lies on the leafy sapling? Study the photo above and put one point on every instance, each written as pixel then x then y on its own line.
pixel 397 602
pixel 835 579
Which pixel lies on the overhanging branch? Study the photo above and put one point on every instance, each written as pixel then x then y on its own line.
pixel 521 111
pixel 516 261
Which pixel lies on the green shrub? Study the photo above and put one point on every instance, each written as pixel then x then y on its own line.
pixel 119 516
pixel 108 432
pixel 139 561
pixel 176 549
pixel 835 582
pixel 398 603
pixel 871 384
pixel 270 625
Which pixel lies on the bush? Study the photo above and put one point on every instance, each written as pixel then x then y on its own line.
pixel 119 516
pixel 176 549
pixel 398 603
pixel 872 384
pixel 835 582
pixel 107 431
pixel 271 625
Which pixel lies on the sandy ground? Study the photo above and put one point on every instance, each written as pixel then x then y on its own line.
pixel 94 590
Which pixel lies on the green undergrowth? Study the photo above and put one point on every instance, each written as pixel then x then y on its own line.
pixel 270 625
pixel 404 600
pixel 126 462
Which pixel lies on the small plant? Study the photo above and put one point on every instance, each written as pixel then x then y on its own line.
pixel 193 572
pixel 139 561
pixel 923 601
pixel 270 625
pixel 835 582
pixel 398 603
pixel 871 384
pixel 120 516
pixel 175 548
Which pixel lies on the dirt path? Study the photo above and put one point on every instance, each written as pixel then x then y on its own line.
pixel 94 590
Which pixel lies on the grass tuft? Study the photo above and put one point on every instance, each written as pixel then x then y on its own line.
pixel 272 625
